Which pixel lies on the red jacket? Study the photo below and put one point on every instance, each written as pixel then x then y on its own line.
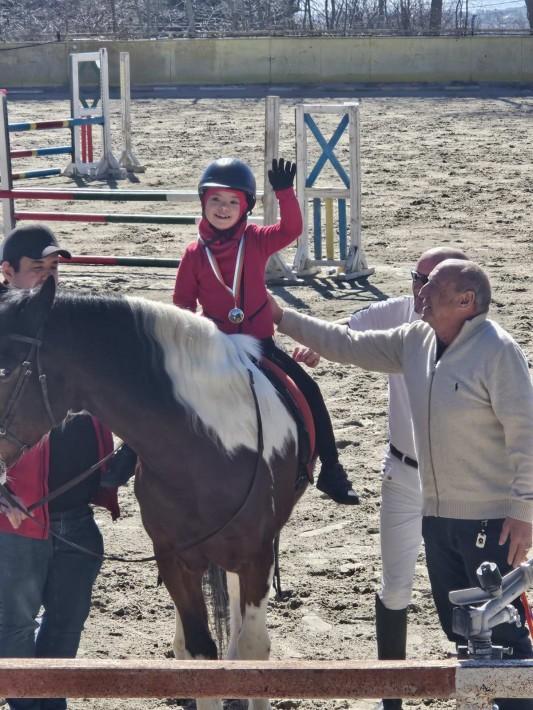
pixel 196 282
pixel 28 479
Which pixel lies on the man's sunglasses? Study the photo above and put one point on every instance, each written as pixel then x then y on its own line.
pixel 419 278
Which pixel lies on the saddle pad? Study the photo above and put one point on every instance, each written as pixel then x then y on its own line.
pixel 290 390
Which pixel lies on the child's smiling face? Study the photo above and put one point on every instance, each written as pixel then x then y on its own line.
pixel 223 208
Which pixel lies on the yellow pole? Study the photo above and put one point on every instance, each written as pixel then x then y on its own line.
pixel 329 227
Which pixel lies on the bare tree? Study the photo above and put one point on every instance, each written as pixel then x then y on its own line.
pixel 529 10
pixel 382 13
pixel 435 16
pixel 308 15
pixel 35 19
pixel 189 9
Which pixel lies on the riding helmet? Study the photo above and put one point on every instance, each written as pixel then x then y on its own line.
pixel 229 173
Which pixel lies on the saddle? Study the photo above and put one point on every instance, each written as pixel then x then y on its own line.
pixel 300 410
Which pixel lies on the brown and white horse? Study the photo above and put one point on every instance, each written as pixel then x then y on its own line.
pixel 178 391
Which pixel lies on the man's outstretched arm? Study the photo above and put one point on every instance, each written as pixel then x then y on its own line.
pixel 380 351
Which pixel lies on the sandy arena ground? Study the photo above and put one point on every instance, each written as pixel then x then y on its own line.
pixel 435 171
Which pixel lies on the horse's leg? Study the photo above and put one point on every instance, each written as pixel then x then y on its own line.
pixel 254 641
pixel 234 594
pixel 178 645
pixel 192 638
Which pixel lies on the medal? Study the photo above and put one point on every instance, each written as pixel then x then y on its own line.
pixel 236 314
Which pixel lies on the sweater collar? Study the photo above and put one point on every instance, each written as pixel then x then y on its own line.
pixel 469 328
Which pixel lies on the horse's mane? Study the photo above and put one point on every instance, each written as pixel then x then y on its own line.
pixel 210 372
pixel 12 297
pixel 187 356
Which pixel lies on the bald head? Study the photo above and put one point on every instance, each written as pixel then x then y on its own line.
pixel 468 277
pixel 425 265
pixel 437 254
pixel 456 291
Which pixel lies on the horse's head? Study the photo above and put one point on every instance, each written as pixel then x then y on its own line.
pixel 24 415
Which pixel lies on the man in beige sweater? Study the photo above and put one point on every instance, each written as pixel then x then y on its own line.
pixel 472 403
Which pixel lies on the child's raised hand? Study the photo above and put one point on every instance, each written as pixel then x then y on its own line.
pixel 282 174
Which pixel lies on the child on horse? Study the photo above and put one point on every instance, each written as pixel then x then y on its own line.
pixel 224 272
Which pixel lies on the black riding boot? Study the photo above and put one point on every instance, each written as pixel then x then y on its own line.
pixel 391 636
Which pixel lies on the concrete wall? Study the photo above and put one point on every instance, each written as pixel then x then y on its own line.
pixel 313 60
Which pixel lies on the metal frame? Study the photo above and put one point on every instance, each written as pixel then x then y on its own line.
pixel 355 264
pixel 108 165
pixel 127 159
pixel 6 179
pixel 277 270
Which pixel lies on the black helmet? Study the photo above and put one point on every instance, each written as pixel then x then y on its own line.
pixel 230 173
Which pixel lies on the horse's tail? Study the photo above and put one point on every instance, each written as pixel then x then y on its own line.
pixel 215 584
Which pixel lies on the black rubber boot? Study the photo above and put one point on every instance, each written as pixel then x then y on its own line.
pixel 391 637
pixel 120 468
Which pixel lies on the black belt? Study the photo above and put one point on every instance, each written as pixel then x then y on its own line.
pixel 403 458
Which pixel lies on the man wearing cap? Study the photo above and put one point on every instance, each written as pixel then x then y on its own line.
pixel 39 570
pixel 30 255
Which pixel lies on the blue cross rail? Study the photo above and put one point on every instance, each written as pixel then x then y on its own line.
pixel 327 150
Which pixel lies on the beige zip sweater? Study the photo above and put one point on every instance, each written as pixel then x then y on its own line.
pixel 472 410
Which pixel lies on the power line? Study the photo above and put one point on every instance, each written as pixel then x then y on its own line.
pixel 501 6
pixel 506 3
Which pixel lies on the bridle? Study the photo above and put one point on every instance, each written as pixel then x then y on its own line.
pixel 26 370
pixel 23 378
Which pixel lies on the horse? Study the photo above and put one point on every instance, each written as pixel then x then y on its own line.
pixel 218 449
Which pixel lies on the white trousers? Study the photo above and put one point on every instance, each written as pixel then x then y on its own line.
pixel 401 534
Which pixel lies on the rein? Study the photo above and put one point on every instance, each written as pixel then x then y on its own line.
pixel 23 378
pixel 71 483
pixel 6 493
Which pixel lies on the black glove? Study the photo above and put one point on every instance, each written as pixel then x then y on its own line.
pixel 282 174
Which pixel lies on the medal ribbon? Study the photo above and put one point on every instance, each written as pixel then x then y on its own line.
pixel 234 291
